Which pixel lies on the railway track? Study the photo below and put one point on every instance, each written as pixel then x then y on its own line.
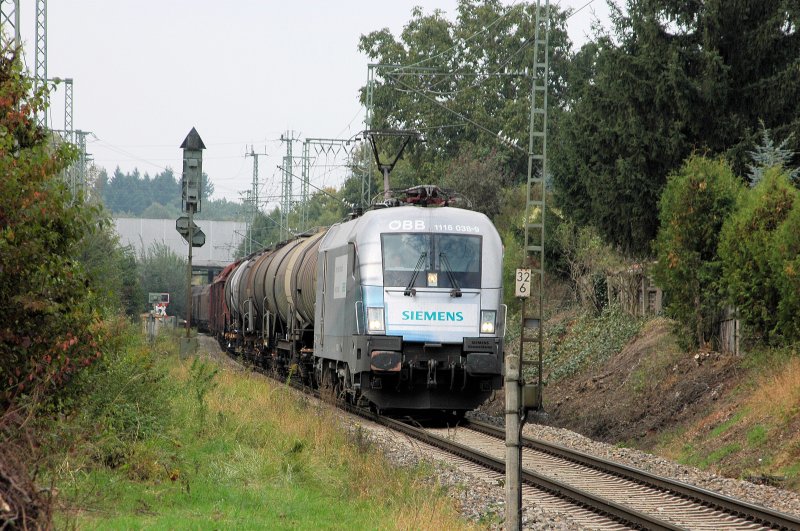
pixel 626 495
pixel 724 507
pixel 597 493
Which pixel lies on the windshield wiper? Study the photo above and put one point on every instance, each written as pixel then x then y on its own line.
pixel 410 291
pixel 456 291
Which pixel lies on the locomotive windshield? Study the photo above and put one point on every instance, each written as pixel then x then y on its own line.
pixel 440 260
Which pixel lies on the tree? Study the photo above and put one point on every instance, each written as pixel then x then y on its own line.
pixel 165 189
pixel 785 261
pixel 220 209
pixel 696 201
pixel 587 259
pixel 480 180
pixel 163 271
pixel 460 82
pixel 110 269
pixel 158 211
pixel 208 188
pixel 673 77
pixel 48 326
pixel 767 155
pixel 746 249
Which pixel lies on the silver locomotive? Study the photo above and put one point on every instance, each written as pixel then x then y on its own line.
pixel 400 308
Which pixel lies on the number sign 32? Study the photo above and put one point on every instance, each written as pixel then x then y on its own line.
pixel 523 284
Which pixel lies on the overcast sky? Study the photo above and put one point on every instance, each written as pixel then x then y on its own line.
pixel 242 72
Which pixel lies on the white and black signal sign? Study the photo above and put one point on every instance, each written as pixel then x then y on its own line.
pixel 523 283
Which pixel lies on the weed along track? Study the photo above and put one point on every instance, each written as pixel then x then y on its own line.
pixel 593 492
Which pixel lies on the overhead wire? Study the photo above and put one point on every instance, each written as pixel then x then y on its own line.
pixel 497 71
pixel 460 115
pixel 425 92
pixel 476 34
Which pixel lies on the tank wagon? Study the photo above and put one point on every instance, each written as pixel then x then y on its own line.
pixel 400 308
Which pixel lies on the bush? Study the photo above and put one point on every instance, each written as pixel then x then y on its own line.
pixel 785 261
pixel 47 322
pixel 695 203
pixel 124 398
pixel 747 250
pixel 111 270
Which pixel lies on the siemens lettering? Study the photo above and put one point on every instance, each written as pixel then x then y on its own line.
pixel 409 315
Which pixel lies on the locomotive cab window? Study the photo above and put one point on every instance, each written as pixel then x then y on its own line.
pixel 431 260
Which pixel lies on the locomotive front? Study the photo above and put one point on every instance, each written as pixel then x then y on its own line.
pixel 424 286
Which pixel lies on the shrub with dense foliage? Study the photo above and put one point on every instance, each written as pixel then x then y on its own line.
pixel 47 322
pixel 163 271
pixel 785 262
pixel 747 249
pixel 697 200
pixel 111 270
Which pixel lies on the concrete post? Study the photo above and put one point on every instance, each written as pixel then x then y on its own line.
pixel 513 448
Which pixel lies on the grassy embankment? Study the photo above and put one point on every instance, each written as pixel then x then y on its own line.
pixel 220 448
pixel 623 380
pixel 754 431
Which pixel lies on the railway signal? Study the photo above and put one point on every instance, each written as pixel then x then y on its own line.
pixel 198 237
pixel 191 190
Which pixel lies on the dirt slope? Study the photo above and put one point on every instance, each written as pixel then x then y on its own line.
pixel 648 387
pixel 738 416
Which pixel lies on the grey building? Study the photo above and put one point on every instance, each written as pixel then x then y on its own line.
pixel 222 239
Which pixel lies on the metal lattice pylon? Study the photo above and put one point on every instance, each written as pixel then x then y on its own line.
pixel 40 74
pixel 68 108
pixel 536 189
pixel 252 200
pixel 326 145
pixel 9 23
pixel 366 181
pixel 305 177
pixel 286 186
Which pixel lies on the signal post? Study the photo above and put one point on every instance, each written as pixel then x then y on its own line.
pixel 191 190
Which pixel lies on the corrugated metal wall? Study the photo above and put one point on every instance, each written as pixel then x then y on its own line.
pixel 222 238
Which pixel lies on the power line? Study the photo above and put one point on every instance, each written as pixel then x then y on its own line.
pixel 590 2
pixel 466 119
pixel 484 30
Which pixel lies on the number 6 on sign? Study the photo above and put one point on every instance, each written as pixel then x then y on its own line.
pixel 523 284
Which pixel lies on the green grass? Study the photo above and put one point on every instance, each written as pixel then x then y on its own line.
pixel 692 456
pixel 721 453
pixel 728 424
pixel 239 452
pixel 757 435
pixel 200 501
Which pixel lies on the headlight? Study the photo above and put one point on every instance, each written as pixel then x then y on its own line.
pixel 375 320
pixel 488 318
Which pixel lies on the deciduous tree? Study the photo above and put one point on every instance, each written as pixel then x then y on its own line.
pixel 48 327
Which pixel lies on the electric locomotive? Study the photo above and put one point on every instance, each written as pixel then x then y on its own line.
pixel 400 308
pixel 409 311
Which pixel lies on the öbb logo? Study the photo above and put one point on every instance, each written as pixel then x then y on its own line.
pixel 407 224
